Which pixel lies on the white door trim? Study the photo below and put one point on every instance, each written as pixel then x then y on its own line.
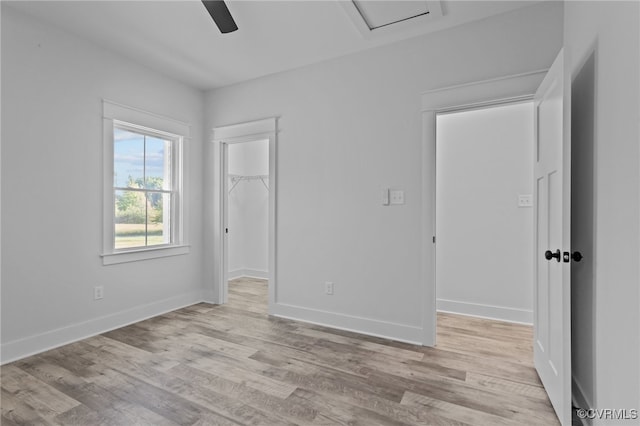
pixel 265 129
pixel 470 95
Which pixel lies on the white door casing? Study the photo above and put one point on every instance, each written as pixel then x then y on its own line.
pixel 224 270
pixel 517 87
pixel 252 131
pixel 552 227
pixel 512 88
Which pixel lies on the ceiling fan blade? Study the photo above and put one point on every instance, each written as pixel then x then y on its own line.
pixel 221 15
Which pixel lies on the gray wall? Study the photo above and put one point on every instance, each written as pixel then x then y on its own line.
pixel 607 350
pixel 52 87
pixel 350 127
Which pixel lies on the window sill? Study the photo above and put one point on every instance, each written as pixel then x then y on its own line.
pixel 143 254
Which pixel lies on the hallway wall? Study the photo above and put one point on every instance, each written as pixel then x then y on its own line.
pixel 484 239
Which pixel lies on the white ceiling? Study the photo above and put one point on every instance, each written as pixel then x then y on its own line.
pixel 180 39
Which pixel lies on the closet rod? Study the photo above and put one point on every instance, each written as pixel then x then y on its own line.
pixel 236 179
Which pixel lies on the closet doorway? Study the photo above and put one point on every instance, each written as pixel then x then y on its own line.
pixel 245 231
pixel 247 227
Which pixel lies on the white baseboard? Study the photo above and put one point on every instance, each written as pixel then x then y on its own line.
pixel 520 316
pixel 580 400
pixel 209 296
pixel 236 273
pixel 248 273
pixel 27 346
pixel 35 344
pixel 371 327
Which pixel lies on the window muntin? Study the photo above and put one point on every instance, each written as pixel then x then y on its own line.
pixel 145 187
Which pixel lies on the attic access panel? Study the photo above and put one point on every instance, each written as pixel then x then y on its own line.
pixel 377 14
pixel 384 17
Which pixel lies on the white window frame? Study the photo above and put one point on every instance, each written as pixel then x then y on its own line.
pixel 120 116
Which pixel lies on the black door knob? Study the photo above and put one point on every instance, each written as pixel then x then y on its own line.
pixel 550 255
pixel 576 256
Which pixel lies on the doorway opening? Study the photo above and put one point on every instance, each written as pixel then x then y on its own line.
pixel 245 200
pixel 248 209
pixel 484 226
pixel 550 91
pixel 247 228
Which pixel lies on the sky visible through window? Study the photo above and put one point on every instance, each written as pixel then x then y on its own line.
pixel 130 157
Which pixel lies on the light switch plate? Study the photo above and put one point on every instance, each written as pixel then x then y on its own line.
pixel 385 197
pixel 328 288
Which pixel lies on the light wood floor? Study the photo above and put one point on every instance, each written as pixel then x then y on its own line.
pixel 232 364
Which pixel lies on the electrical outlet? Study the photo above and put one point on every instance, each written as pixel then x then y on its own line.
pixel 328 288
pixel 98 292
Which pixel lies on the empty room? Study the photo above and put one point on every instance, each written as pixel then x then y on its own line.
pixel 334 212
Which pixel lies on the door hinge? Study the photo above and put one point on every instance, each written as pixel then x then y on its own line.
pixel 434 239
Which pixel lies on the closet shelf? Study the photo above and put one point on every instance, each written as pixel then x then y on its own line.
pixel 236 179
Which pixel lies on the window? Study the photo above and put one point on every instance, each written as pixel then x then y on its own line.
pixel 144 187
pixel 144 198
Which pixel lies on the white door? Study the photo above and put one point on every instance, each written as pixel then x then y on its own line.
pixel 552 179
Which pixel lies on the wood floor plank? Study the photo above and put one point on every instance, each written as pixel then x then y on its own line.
pixel 217 407
pixel 251 378
pixel 325 380
pixel 15 411
pixel 219 345
pixel 515 407
pixel 235 365
pixel 171 406
pixel 383 362
pixel 46 400
pixel 506 386
pixel 83 415
pixel 379 411
pixel 397 353
pixel 240 391
pixel 273 344
pixel 483 365
pixel 138 337
pixel 456 412
pixel 128 353
pixel 335 411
